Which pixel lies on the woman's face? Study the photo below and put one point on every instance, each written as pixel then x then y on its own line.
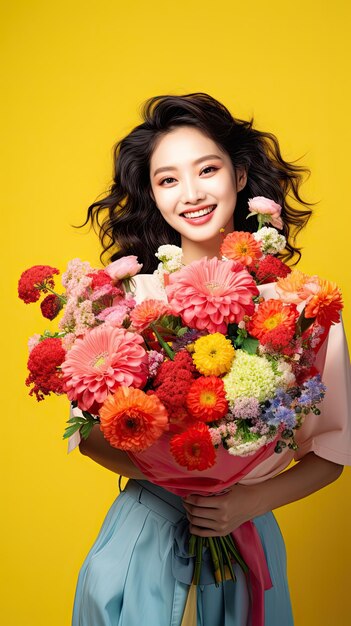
pixel 194 184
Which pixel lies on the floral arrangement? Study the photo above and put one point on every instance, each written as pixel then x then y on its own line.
pixel 213 364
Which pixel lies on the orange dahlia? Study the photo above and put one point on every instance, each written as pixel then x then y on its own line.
pixel 326 304
pixel 271 315
pixel 132 420
pixel 147 312
pixel 206 399
pixel 193 448
pixel 241 246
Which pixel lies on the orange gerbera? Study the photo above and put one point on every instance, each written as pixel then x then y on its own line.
pixel 147 312
pixel 194 448
pixel 241 246
pixel 271 315
pixel 206 399
pixel 326 304
pixel 132 420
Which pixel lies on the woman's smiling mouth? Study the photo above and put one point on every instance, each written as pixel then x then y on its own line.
pixel 198 213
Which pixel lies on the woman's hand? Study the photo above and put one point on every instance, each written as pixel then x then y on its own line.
pixel 218 515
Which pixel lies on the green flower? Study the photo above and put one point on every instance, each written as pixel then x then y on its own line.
pixel 250 376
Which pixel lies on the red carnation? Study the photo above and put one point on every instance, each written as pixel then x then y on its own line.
pixel 269 269
pixel 51 306
pixel 44 362
pixel 34 280
pixel 193 448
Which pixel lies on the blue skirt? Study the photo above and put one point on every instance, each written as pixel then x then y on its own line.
pixel 135 572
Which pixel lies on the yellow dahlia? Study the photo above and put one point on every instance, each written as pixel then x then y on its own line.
pixel 213 354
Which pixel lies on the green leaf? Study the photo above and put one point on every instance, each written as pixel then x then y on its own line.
pixel 86 429
pixel 87 415
pixel 182 331
pixel 250 345
pixel 71 430
pixel 232 330
pixel 303 323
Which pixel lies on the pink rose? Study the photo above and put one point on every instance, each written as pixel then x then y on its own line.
pixel 123 268
pixel 268 209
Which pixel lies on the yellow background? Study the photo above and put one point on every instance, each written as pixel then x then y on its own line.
pixel 75 74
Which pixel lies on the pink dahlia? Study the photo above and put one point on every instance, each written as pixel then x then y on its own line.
pixel 105 358
pixel 211 294
pixel 147 312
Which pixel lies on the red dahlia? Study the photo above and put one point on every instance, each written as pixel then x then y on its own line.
pixel 44 362
pixel 193 448
pixel 34 280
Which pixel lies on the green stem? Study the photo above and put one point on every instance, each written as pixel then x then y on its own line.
pixel 227 558
pixel 198 560
pixel 168 350
pixel 192 544
pixel 220 558
pixel 43 286
pixel 215 560
pixel 232 547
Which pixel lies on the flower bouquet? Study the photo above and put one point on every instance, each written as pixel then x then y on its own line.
pixel 201 385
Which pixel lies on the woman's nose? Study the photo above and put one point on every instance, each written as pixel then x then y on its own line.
pixel 191 192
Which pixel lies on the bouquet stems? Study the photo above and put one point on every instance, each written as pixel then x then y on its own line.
pixel 224 554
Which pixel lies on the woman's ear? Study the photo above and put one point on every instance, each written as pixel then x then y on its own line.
pixel 241 178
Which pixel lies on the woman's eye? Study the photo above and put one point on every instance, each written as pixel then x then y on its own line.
pixel 167 181
pixel 209 169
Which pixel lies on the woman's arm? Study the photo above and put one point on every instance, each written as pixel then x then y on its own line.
pixel 219 515
pixel 99 450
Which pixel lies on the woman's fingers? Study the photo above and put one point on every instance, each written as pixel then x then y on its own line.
pixel 200 512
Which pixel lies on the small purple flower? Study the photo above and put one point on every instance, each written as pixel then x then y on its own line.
pixel 189 337
pixel 313 391
pixel 246 408
pixel 155 360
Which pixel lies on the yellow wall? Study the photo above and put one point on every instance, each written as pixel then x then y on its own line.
pixel 75 74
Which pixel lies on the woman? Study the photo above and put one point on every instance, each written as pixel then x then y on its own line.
pixel 184 177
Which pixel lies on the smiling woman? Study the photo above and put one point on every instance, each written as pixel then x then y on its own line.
pixel 196 194
pixel 176 133
pixel 185 176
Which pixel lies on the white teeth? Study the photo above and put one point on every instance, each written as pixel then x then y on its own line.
pixel 200 213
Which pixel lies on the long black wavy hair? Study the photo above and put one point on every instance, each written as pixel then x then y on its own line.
pixel 127 218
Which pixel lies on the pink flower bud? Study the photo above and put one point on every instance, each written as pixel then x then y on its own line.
pixel 126 267
pixel 264 206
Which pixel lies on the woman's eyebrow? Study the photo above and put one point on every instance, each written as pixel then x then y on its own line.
pixel 168 168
